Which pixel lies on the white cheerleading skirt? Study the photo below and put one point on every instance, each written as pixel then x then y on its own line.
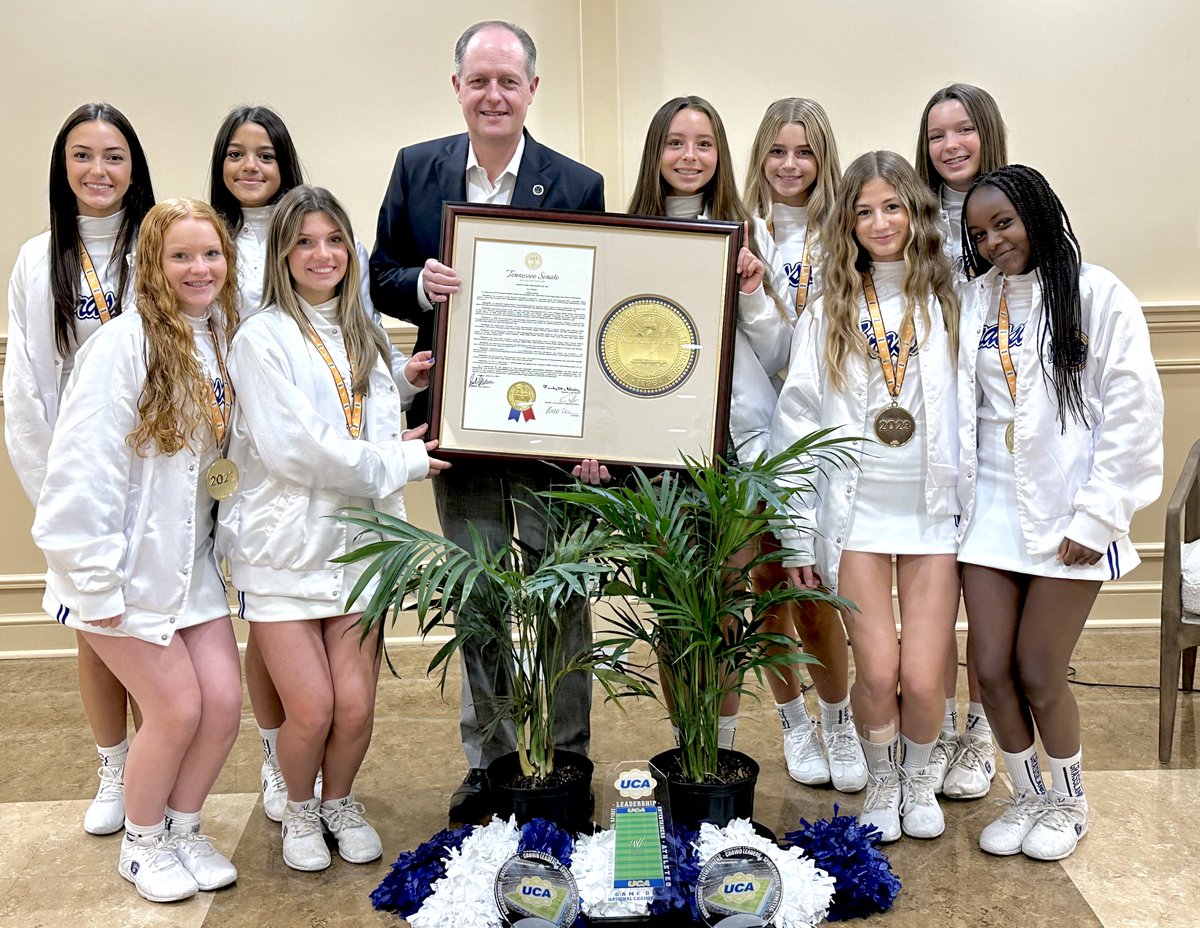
pixel 888 515
pixel 993 537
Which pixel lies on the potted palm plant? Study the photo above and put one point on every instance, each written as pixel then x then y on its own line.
pixel 516 596
pixel 675 546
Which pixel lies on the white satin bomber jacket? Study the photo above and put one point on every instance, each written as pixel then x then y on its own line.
pixel 1080 483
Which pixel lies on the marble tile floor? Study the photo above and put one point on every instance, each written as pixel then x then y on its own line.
pixel 1139 865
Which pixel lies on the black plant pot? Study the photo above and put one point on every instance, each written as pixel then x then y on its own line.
pixel 719 803
pixel 569 805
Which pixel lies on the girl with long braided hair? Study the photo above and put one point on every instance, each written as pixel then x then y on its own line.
pixel 1060 427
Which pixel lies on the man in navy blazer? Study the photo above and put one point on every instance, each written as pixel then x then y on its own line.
pixel 495 161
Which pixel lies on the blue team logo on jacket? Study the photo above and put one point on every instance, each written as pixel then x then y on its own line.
pixel 793 272
pixel 218 388
pixel 86 308
pixel 991 336
pixel 893 340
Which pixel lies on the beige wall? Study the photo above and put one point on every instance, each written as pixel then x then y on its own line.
pixel 1088 89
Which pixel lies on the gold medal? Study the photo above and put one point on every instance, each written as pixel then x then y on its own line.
pixel 647 346
pixel 1010 438
pixel 221 479
pixel 895 425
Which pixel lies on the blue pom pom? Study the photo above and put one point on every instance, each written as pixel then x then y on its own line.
pixel 847 850
pixel 410 881
pixel 681 896
pixel 546 837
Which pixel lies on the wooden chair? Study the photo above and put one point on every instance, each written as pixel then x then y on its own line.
pixel 1180 630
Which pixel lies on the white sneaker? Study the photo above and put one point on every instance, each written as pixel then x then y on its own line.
pixel 972 769
pixel 154 869
pixel 847 766
pixel 208 867
pixel 882 805
pixel 1061 822
pixel 1003 837
pixel 358 842
pixel 805 760
pixel 274 790
pixel 303 837
pixel 920 814
pixel 943 753
pixel 106 814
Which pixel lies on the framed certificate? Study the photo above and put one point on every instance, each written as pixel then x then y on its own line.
pixel 584 335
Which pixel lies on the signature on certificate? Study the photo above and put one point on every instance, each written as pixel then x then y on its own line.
pixel 478 380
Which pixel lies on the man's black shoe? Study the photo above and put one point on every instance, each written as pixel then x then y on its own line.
pixel 471 803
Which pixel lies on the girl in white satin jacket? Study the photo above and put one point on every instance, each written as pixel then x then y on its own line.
pixel 126 523
pixel 99 192
pixel 875 357
pixel 1061 442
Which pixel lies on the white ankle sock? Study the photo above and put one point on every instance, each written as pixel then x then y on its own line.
pixel 114 756
pixel 977 723
pixel 726 731
pixel 1024 771
pixel 182 823
pixel 916 756
pixel 794 714
pixel 880 755
pixel 950 720
pixel 268 736
pixel 145 833
pixel 1066 774
pixel 834 713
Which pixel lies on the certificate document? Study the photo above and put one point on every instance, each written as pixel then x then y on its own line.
pixel 527 348
pixel 584 335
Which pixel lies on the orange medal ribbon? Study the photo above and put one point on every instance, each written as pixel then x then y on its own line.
pixel 352 410
pixel 894 425
pixel 805 269
pixel 93 282
pixel 1010 372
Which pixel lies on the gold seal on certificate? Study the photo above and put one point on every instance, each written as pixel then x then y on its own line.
pixel 895 425
pixel 647 346
pixel 521 395
pixel 533 260
pixel 221 479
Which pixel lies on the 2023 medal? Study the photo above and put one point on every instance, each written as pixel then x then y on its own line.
pixel 895 425
pixel 1010 438
pixel 221 479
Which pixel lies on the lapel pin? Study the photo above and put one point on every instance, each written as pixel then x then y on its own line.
pixel 538 190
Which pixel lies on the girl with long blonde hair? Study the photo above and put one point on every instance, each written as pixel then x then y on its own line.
pixel 317 430
pixel 125 520
pixel 874 357
pixel 790 188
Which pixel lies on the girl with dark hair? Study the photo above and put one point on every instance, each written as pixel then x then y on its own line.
pixel 125 520
pixel 1060 425
pixel 66 284
pixel 790 188
pixel 686 172
pixel 962 135
pixel 874 356
pixel 317 429
pixel 254 163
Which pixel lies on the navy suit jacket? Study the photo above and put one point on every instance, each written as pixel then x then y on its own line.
pixel 410 220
